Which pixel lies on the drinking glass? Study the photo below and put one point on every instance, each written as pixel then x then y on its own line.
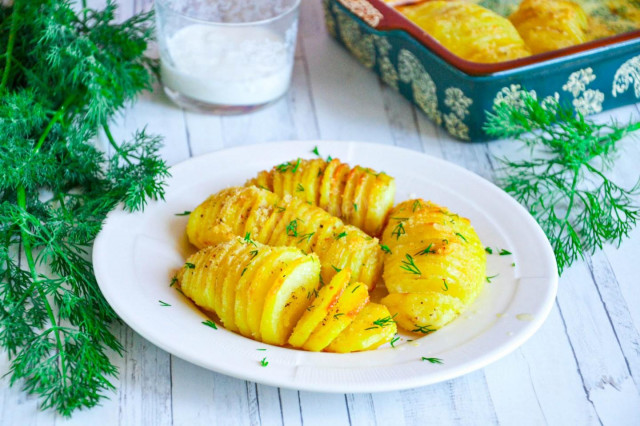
pixel 226 56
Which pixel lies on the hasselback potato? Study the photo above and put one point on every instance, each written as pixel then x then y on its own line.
pixel 547 25
pixel 274 295
pixel 359 196
pixel 434 267
pixel 288 221
pixel 468 30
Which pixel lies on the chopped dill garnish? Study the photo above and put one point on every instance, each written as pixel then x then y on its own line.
pixel 163 303
pixel 488 250
pixel 398 230
pixel 335 268
pixel 299 188
pixel 211 324
pixel 425 251
pixel 174 280
pixel 261 349
pixel 306 237
pixel 393 341
pixel 243 271
pixel 184 213
pixel 336 316
pixel 385 248
pixel 355 288
pixel 264 362
pixel 383 322
pixel 329 159
pixel 461 236
pixel 504 252
pixel 280 209
pixel 295 168
pixel 409 265
pixel 311 307
pixel 292 228
pixel 315 151
pixel 253 253
pixel 489 278
pixel 355 207
pixel 432 360
pixel 247 239
pixel 340 235
pixel 424 329
pixel 446 286
pixel 189 265
pixel 416 205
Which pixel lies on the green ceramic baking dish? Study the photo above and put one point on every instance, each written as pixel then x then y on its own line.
pixel 456 94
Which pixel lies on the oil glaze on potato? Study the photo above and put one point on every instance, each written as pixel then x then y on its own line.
pixel 288 221
pixel 435 265
pixel 274 295
pixel 359 196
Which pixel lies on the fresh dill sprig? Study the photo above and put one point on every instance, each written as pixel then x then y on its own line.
pixel 424 329
pixel 432 360
pixel 425 251
pixel 409 265
pixel 385 248
pixel 563 182
pixel 67 70
pixel 292 228
pixel 211 324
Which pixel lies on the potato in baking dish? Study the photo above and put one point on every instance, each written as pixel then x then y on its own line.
pixel 547 25
pixel 287 221
pixel 468 30
pixel 435 265
pixel 274 295
pixel 358 195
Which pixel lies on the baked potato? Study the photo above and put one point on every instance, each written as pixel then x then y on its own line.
pixel 431 253
pixel 289 221
pixel 468 30
pixel 359 196
pixel 547 25
pixel 273 295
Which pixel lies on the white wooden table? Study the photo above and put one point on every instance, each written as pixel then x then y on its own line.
pixel 581 368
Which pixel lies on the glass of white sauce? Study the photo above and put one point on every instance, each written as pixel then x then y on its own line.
pixel 226 56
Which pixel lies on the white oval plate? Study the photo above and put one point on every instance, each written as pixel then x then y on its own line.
pixel 135 256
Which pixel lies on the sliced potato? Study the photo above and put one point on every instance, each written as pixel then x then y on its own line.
pixel 262 283
pixel 261 256
pixel 423 313
pixel 287 222
pixel 320 306
pixel 288 298
pixel 372 327
pixel 347 193
pixel 354 298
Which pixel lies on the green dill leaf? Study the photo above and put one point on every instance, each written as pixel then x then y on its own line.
pixel 184 213
pixel 432 360
pixel 461 236
pixel 163 303
pixel 292 228
pixel 385 248
pixel 424 329
pixel 335 268
pixel 174 280
pixel 425 251
pixel 416 205
pixel 189 265
pixel 211 324
pixel 489 278
pixel 264 362
pixel 299 188
pixel 393 341
pixel 315 151
pixel 563 182
pixel 504 252
pixel 409 265
pixel 340 235
pixel 489 250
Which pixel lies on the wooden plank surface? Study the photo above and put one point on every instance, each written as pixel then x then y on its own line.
pixel 582 367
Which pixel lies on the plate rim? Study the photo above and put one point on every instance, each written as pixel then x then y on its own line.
pixel 475 363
